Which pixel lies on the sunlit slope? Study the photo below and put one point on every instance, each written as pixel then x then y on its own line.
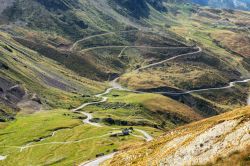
pixel 152 110
pixel 219 140
pixel 105 38
pixel 224 38
pixel 60 137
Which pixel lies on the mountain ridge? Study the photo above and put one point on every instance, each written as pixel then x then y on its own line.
pixel 226 4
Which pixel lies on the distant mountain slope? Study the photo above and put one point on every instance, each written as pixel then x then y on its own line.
pixel 74 18
pixel 29 81
pixel 98 30
pixel 57 54
pixel 230 4
pixel 44 14
pixel 221 140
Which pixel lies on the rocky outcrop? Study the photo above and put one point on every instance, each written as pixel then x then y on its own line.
pixel 222 139
pixel 209 141
pixel 17 98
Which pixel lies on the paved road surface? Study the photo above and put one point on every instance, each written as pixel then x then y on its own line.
pixel 98 161
pixel 3 157
pixel 146 135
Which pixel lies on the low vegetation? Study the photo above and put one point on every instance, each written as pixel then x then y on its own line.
pixel 56 55
pixel 224 133
pixel 58 136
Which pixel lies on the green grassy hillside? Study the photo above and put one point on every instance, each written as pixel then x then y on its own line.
pixel 57 55
pixel 42 81
pixel 59 137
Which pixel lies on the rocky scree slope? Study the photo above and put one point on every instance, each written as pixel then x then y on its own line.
pixel 219 140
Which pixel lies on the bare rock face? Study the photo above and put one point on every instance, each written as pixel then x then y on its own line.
pixel 204 147
pixel 10 90
pixel 17 98
pixel 200 143
pixel 5 84
pixel 10 95
pixel 16 91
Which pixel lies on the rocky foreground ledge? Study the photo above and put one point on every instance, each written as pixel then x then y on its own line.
pixel 222 140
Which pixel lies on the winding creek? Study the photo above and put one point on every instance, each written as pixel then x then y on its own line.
pixel 230 85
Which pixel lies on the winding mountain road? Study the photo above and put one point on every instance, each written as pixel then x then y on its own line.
pixel 2 157
pixel 89 116
pixel 98 161
pixel 120 55
pixel 169 59
pixel 87 38
pixel 116 86
pixel 98 35
pixel 30 144
pixel 146 135
pixel 126 46
pixel 119 87
pixel 231 84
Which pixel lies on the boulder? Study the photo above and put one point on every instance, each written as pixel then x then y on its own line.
pixel 16 91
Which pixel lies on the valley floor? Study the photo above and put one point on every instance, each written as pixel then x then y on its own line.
pixel 175 84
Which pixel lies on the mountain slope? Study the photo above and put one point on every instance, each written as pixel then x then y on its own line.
pixel 218 140
pixel 227 4
pixel 171 64
pixel 30 82
pixel 102 39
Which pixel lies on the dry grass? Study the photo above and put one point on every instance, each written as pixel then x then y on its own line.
pixel 236 42
pixel 237 158
pixel 153 151
pixel 174 75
